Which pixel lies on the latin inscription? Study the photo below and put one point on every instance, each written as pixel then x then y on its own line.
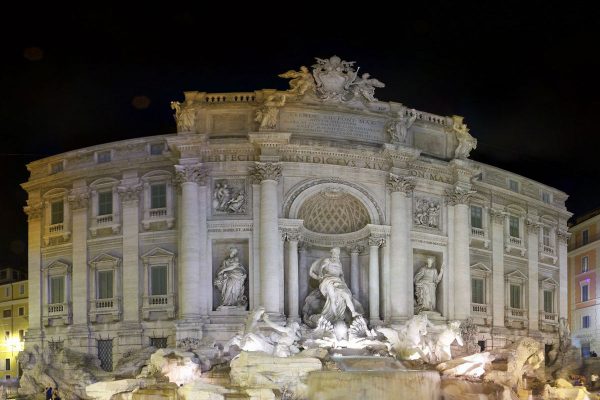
pixel 430 176
pixel 381 165
pixel 344 126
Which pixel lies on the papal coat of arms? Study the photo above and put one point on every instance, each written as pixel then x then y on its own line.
pixel 333 80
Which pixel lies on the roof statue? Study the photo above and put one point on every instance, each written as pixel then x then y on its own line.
pixel 333 80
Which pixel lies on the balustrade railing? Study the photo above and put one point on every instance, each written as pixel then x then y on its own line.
pixel 515 241
pixel 158 212
pixel 548 250
pixel 55 228
pixel 478 232
pixel 516 313
pixel 241 97
pixel 479 308
pixel 104 219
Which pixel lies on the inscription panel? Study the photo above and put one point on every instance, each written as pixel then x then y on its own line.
pixel 339 125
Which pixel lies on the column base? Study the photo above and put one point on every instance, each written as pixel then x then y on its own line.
pixel 375 322
pixel 294 319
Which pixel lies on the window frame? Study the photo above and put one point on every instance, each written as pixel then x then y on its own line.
pixel 59 229
pixel 585 236
pixel 585 264
pixel 151 147
pixel 517 185
pixel 585 318
pixel 157 218
pixel 56 167
pixel 109 223
pixel 57 268
pixel 98 156
pixel 471 208
pixel 156 257
pixel 584 284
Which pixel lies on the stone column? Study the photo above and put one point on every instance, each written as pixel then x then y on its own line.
pixel 78 202
pixel 130 192
pixel 374 243
pixel 34 271
pixel 497 298
pixel 188 177
pixel 292 275
pixel 354 270
pixel 268 175
pixel 533 234
pixel 304 277
pixel 206 278
pixel 385 279
pixel 563 299
pixel 401 274
pixel 459 198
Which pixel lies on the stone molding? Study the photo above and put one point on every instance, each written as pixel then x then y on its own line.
pixel 498 216
pixel 355 248
pixel 563 236
pixel 195 173
pixel 397 183
pixel 532 226
pixel 263 171
pixel 376 240
pixel 459 196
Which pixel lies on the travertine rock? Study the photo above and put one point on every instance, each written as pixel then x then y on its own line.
pixel 132 363
pixel 105 390
pixel 472 366
pixel 202 391
pixel 180 367
pixel 523 358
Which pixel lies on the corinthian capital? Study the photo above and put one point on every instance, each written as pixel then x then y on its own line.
pixel 376 240
pixel 33 210
pixel 563 236
pixel 533 226
pixel 398 183
pixel 459 196
pixel 130 192
pixel 78 199
pixel 263 171
pixel 195 173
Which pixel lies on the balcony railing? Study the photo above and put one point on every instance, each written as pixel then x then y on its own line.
pixel 478 232
pixel 158 212
pixel 479 308
pixel 548 318
pixel 548 250
pixel 57 311
pixel 240 97
pixel 516 313
pixel 159 303
pixel 515 241
pixel 158 300
pixel 109 306
pixel 104 219
pixel 56 228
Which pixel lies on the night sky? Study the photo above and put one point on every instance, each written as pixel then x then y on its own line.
pixel 526 80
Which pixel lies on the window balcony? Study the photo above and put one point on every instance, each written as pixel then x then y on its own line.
pixel 479 308
pixel 56 230
pixel 158 304
pixel 515 243
pixel 547 253
pixel 110 307
pixel 157 216
pixel 479 235
pixel 57 311
pixel 515 317
pixel 105 222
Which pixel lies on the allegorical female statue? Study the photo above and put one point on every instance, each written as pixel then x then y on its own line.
pixel 426 281
pixel 328 271
pixel 231 279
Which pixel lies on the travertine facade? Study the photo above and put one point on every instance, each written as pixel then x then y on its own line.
pixel 126 239
pixel 584 306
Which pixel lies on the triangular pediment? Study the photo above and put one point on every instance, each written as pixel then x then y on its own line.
pixel 516 274
pixel 58 264
pixel 480 267
pixel 158 252
pixel 548 282
pixel 105 258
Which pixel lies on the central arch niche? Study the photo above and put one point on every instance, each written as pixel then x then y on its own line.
pixel 333 211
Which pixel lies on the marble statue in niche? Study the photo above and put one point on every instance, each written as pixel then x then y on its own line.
pixel 426 281
pixel 231 280
pixel 333 299
pixel 466 142
pixel 398 127
pixel 229 196
pixel 427 213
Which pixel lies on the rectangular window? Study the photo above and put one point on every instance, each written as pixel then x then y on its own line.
pixel 585 236
pixel 6 313
pixel 158 280
pixel 156 149
pixel 585 264
pixel 105 203
pixel 21 335
pixel 7 291
pixel 21 311
pixel 7 364
pixel 57 212
pixel 158 196
pixel 158 342
pixel 476 217
pixel 546 236
pixel 585 321
pixel 105 284
pixel 548 301
pixel 477 295
pixel 585 295
pixel 103 157
pixel 513 226
pixel 513 185
pixel 546 197
pixel 22 289
pixel 57 290
pixel 515 296
pixel 56 167
pixel 105 348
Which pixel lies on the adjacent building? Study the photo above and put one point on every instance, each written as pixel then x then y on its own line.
pixel 584 299
pixel 129 241
pixel 14 321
